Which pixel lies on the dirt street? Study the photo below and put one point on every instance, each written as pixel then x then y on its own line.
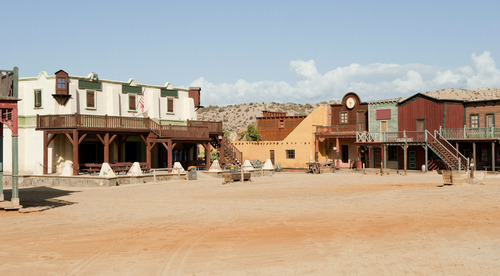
pixel 287 224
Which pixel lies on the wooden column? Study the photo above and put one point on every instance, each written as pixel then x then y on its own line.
pixel 106 148
pixel 45 152
pixel 316 149
pixel 474 154
pixel 369 156
pixel 170 149
pixel 493 156
pixel 75 143
pixel 207 155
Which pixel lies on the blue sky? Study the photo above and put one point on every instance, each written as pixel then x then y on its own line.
pixel 259 51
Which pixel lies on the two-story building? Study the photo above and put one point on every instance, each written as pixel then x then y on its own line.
pixel 88 121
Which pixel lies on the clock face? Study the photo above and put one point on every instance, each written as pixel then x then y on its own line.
pixel 350 103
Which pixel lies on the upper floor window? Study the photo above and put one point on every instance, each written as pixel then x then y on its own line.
pixel 38 98
pixel 132 105
pixel 343 118
pixel 474 120
pixel 91 99
pixel 281 123
pixel 61 83
pixel 170 105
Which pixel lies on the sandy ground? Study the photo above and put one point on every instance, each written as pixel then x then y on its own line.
pixel 287 224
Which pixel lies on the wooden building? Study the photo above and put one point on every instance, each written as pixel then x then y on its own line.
pixel 275 126
pixel 339 137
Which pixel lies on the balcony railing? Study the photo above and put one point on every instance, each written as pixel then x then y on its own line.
pixel 213 127
pixel 337 130
pixel 390 137
pixel 118 123
pixel 470 133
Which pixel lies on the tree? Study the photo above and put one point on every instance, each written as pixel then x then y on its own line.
pixel 251 134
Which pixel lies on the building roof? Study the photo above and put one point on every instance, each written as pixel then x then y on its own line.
pixel 482 94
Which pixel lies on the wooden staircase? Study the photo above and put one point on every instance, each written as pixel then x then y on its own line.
pixel 231 155
pixel 449 154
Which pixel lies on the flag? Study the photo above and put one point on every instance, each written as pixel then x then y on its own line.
pixel 141 102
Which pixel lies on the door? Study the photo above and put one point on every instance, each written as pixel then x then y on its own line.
pixel 271 156
pixel 420 128
pixel 490 124
pixel 383 126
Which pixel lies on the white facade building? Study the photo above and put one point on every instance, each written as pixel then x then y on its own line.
pixel 64 94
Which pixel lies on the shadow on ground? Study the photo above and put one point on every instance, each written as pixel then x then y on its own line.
pixel 38 199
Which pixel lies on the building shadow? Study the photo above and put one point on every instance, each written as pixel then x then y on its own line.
pixel 39 199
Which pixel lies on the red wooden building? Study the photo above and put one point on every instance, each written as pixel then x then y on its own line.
pixel 275 126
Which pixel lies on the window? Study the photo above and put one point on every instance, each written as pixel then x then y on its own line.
pixel 38 98
pixel 474 120
pixel 91 99
pixel 281 123
pixel 290 154
pixel 343 117
pixel 132 106
pixel 170 105
pixel 61 83
pixel 392 153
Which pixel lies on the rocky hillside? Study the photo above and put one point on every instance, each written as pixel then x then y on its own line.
pixel 235 117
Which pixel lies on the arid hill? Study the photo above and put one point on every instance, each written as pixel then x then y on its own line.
pixel 237 116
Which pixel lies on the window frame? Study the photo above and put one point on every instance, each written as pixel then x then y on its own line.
pixel 87 100
pixel 171 99
pixel 130 95
pixel 470 120
pixel 35 92
pixel 290 154
pixel 281 123
pixel 341 119
pixel 486 119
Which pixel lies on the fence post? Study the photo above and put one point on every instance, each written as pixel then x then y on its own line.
pixel 464 131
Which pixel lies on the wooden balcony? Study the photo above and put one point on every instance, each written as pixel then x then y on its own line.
pixel 214 128
pixel 97 123
pixel 391 137
pixel 345 131
pixel 485 133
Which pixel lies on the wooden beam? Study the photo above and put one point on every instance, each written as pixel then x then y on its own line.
pixel 112 138
pixel 100 138
pixel 81 138
pixel 45 151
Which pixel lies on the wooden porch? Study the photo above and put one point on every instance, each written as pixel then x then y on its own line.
pixel 109 129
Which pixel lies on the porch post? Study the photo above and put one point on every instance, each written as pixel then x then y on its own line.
pixel 474 154
pixel 493 156
pixel 45 152
pixel 106 147
pixel 337 161
pixel 382 159
pixel 316 151
pixel 207 155
pixel 169 154
pixel 75 152
pixel 426 158
pixel 369 156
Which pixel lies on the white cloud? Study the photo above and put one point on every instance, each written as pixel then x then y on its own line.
pixel 370 82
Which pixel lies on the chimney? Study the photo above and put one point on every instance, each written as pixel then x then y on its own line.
pixel 194 93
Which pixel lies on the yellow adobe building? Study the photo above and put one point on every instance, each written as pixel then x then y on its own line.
pixel 296 149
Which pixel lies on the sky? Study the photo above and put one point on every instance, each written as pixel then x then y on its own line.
pixel 261 51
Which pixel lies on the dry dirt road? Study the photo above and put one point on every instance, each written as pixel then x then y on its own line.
pixel 287 224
